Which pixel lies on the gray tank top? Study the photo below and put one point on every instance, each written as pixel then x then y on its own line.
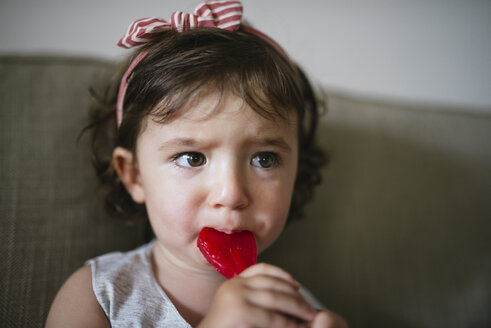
pixel 126 289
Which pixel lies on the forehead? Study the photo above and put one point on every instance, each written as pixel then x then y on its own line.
pixel 226 105
pixel 222 116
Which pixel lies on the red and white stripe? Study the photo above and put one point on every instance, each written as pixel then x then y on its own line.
pixel 222 14
pixel 142 30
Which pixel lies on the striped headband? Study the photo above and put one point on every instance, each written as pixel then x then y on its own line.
pixel 223 14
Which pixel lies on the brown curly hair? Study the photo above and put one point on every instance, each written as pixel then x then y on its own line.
pixel 179 66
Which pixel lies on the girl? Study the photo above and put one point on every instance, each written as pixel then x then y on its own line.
pixel 212 126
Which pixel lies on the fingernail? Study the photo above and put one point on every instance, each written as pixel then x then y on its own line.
pixel 313 312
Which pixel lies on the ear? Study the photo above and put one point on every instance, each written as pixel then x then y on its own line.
pixel 128 172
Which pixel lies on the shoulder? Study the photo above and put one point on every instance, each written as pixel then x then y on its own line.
pixel 112 273
pixel 118 260
pixel 74 301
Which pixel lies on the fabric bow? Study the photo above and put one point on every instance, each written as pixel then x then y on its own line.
pixel 222 14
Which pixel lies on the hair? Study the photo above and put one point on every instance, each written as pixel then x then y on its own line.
pixel 177 69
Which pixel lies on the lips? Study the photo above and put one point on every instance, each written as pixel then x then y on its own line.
pixel 228 253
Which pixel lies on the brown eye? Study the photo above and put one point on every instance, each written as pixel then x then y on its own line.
pixel 190 159
pixel 265 160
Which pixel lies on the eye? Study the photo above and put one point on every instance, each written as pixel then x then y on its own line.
pixel 190 159
pixel 265 160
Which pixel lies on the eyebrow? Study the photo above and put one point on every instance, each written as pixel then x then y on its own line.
pixel 179 142
pixel 275 142
pixel 190 142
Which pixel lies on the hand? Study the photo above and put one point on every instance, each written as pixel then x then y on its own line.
pixel 328 319
pixel 261 296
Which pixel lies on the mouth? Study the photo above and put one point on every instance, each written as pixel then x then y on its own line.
pixel 227 231
pixel 229 251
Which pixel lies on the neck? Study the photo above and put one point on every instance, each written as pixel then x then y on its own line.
pixel 190 290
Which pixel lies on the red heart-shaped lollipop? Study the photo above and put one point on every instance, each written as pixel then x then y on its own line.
pixel 228 253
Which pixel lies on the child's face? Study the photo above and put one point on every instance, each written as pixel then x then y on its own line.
pixel 223 167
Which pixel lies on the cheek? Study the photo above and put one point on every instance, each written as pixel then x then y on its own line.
pixel 275 205
pixel 172 207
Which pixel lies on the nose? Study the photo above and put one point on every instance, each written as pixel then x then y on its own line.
pixel 228 188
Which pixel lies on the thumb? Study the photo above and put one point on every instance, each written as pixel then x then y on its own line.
pixel 327 319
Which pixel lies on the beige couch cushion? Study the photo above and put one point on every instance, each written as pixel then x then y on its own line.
pixel 51 216
pixel 398 235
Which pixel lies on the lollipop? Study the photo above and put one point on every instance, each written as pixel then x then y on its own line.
pixel 228 253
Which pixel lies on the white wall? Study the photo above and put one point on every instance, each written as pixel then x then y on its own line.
pixel 436 51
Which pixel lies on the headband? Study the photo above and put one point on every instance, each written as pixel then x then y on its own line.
pixel 223 14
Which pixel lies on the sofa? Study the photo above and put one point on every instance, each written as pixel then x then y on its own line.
pixel 398 235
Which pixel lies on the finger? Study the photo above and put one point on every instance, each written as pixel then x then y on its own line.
pixel 272 319
pixel 290 304
pixel 270 270
pixel 321 320
pixel 270 283
pixel 328 319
